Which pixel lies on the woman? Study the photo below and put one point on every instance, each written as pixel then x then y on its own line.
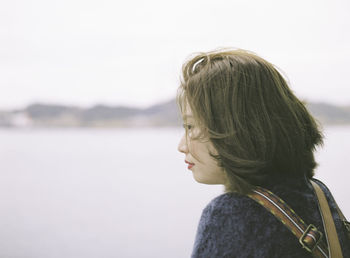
pixel 244 127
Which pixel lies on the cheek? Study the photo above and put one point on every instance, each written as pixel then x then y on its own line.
pixel 198 151
pixel 192 145
pixel 193 149
pixel 214 162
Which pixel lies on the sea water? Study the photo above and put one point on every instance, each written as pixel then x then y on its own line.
pixel 115 192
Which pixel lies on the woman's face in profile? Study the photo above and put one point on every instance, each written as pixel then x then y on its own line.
pixel 205 168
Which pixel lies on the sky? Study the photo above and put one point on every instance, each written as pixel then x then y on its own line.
pixel 88 52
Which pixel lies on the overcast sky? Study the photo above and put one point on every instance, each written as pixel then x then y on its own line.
pixel 83 52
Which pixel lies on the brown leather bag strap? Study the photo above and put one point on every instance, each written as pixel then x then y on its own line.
pixel 309 236
pixel 346 223
pixel 328 223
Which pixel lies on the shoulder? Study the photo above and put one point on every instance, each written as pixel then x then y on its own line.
pixel 230 204
pixel 321 184
pixel 341 230
pixel 233 213
pixel 229 227
pixel 229 209
pixel 327 192
pixel 234 225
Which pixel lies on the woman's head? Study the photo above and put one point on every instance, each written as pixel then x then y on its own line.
pixel 257 128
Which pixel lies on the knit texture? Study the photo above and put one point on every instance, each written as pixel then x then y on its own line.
pixel 234 225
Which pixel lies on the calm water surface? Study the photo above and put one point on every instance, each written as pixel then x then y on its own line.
pixel 115 193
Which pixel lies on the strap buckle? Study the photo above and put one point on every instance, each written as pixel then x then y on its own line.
pixel 310 238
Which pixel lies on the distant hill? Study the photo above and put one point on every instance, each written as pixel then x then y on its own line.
pixel 162 114
pixel 46 115
pixel 330 114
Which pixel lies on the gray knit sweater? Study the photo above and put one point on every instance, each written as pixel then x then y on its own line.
pixel 233 225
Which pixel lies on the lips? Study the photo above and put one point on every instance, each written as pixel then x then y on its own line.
pixel 190 165
pixel 189 162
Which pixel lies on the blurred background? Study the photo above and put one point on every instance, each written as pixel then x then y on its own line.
pixel 89 127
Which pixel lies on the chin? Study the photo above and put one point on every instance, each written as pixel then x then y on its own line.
pixel 199 180
pixel 206 181
pixel 209 181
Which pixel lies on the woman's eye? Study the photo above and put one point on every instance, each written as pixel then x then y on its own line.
pixel 188 127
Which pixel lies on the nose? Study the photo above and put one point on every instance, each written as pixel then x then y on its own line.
pixel 182 147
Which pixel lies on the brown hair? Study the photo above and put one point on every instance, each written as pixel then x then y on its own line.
pixel 244 106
